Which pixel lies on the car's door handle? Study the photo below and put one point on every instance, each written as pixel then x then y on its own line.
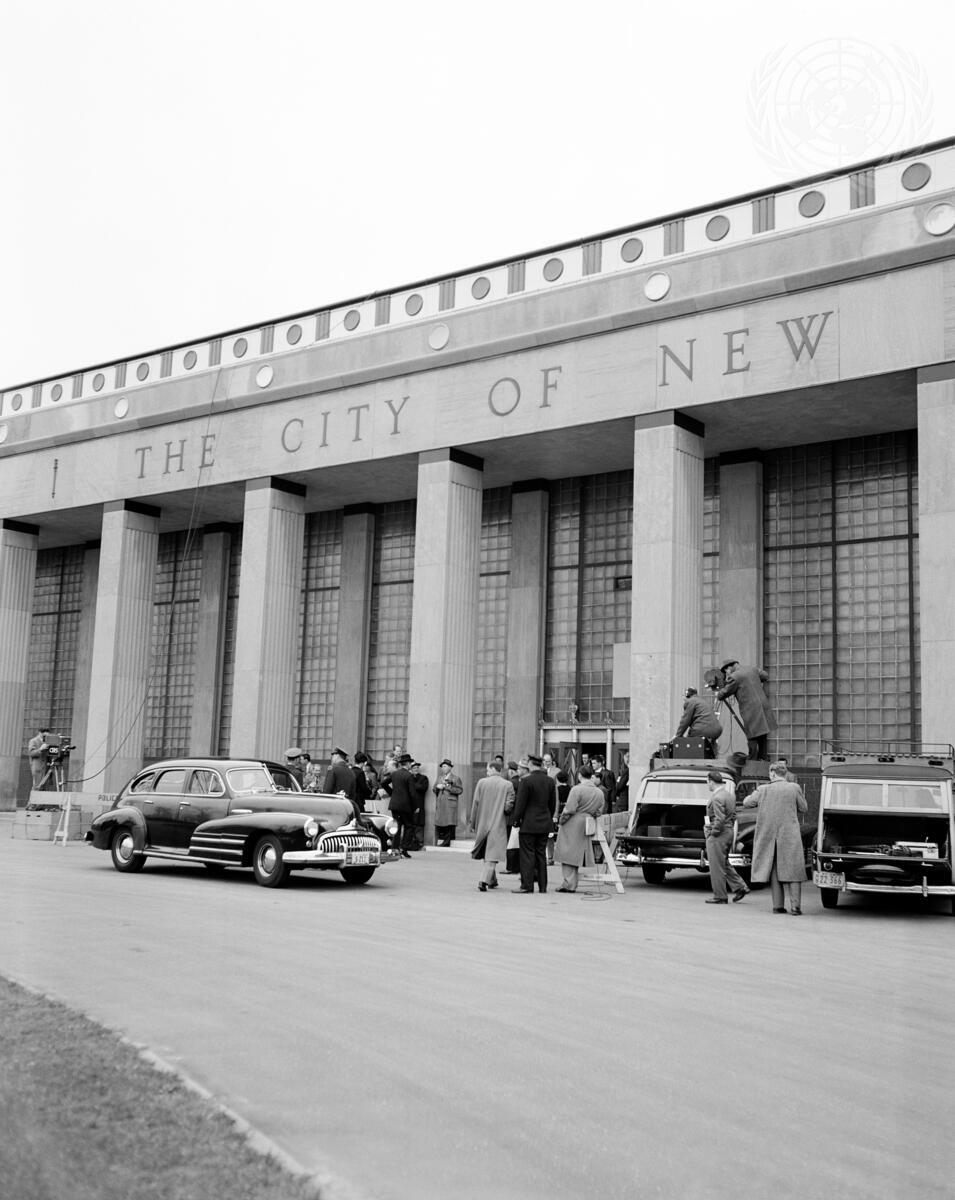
pixel 185 804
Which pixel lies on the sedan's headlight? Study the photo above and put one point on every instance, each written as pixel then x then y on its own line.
pixel 312 828
pixel 391 827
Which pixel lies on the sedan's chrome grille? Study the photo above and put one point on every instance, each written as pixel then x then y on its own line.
pixel 338 843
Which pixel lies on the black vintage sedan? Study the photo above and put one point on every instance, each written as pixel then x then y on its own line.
pixel 236 812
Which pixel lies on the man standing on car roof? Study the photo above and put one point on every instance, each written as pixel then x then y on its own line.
pixel 755 713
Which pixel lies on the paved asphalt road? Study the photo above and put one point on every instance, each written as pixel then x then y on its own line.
pixel 415 1038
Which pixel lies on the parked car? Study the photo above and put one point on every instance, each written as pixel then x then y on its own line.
pixel 665 832
pixel 239 812
pixel 886 824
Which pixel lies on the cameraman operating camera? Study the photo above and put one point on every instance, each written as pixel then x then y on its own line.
pixel 37 748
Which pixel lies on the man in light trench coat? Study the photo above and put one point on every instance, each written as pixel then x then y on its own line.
pixel 778 854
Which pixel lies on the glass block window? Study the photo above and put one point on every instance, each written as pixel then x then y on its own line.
pixel 798 630
pixel 490 673
pixel 54 636
pixel 228 654
pixel 711 561
pixel 841 594
pixel 389 652
pixel 590 539
pixel 314 709
pixel 175 620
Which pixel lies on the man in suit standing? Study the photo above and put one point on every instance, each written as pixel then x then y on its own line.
pixel 534 817
pixel 36 749
pixel 402 800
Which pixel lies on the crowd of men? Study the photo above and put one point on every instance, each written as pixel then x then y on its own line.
pixel 531 812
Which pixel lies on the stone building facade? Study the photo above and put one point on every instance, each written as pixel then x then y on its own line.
pixel 521 506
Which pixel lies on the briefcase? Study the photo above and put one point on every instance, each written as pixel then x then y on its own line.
pixel 689 747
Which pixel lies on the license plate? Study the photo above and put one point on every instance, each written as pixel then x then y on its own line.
pixel 828 879
pixel 360 858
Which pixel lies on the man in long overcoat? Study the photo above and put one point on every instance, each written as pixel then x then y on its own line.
pixel 534 816
pixel 574 847
pixel 755 713
pixel 778 854
pixel 447 788
pixel 493 798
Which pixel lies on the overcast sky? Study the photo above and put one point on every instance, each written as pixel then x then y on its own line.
pixel 172 170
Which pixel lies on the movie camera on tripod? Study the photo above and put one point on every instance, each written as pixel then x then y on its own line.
pixel 58 747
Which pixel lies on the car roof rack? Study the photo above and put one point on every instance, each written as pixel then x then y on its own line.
pixel 926 754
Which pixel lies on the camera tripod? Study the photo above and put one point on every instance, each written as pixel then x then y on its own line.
pixel 55 770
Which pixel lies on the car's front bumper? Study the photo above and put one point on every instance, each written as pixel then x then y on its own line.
pixel 338 851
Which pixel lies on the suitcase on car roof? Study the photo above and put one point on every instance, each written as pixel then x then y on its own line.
pixel 689 747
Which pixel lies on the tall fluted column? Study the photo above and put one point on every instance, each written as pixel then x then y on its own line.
pixel 119 668
pixel 354 622
pixel 444 617
pixel 270 595
pixel 18 549
pixel 210 639
pixel 526 616
pixel 936 432
pixel 667 622
pixel 84 665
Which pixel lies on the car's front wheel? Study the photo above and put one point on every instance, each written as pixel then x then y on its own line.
pixel 122 850
pixel 654 874
pixel 829 897
pixel 267 862
pixel 357 874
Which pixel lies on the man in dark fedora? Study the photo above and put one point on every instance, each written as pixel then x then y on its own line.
pixel 402 801
pixel 755 713
pixel 534 817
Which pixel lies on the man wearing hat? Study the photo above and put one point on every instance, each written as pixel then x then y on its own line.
pixel 37 751
pixel 513 773
pixel 534 817
pixel 447 788
pixel 755 714
pixel 339 778
pixel 295 760
pixel 399 786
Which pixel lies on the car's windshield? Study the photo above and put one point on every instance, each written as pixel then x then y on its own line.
pixel 883 794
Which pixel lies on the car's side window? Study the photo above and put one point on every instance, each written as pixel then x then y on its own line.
pixel 172 782
pixel 284 780
pixel 144 783
pixel 206 783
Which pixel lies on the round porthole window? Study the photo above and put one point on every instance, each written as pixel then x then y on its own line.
pixel 657 286
pixel 631 250
pixel 811 204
